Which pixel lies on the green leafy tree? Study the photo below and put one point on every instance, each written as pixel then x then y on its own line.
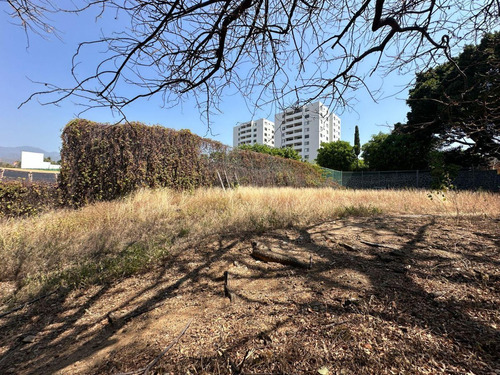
pixel 285 152
pixel 460 102
pixel 263 149
pixel 396 151
pixel 360 165
pixel 373 151
pixel 337 155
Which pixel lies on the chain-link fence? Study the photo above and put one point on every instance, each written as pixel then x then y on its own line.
pixel 465 179
pixel 9 174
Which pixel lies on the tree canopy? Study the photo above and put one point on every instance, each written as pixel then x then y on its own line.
pixel 337 155
pixel 396 151
pixel 285 152
pixel 459 101
pixel 266 49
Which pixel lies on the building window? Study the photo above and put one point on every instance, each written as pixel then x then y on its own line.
pixel 306 150
pixel 306 136
pixel 306 143
pixel 307 129
pixel 306 156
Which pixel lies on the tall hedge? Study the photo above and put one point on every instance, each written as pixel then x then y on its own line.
pixel 104 162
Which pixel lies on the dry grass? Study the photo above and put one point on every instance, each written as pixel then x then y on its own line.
pixel 426 305
pixel 108 240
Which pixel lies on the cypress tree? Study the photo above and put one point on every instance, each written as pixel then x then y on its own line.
pixel 357 146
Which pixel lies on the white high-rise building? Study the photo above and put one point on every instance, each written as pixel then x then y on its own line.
pixel 252 132
pixel 305 128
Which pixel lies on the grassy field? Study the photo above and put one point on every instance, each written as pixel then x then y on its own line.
pixel 105 241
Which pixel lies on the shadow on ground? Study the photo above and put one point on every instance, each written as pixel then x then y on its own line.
pixel 385 294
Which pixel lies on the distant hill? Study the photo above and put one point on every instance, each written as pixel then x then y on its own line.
pixel 11 154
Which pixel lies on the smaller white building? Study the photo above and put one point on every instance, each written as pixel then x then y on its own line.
pixel 252 132
pixel 34 160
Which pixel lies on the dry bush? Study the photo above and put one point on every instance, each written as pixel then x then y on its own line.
pixel 21 198
pixel 104 162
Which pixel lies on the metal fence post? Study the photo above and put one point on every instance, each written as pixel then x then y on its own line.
pixel 417 178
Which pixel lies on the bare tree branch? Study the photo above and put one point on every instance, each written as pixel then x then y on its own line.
pixel 268 50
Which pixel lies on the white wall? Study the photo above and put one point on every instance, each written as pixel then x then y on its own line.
pixel 34 160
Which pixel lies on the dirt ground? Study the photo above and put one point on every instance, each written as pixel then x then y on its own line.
pixel 426 300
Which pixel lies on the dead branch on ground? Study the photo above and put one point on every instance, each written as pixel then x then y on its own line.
pixel 27 304
pixel 266 255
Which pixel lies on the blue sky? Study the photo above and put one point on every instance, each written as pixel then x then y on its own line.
pixel 49 60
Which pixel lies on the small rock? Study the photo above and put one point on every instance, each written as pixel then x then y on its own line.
pixel 29 339
pixel 437 294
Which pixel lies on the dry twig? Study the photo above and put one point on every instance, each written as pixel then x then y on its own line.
pixel 374 244
pixel 347 246
pixel 26 304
